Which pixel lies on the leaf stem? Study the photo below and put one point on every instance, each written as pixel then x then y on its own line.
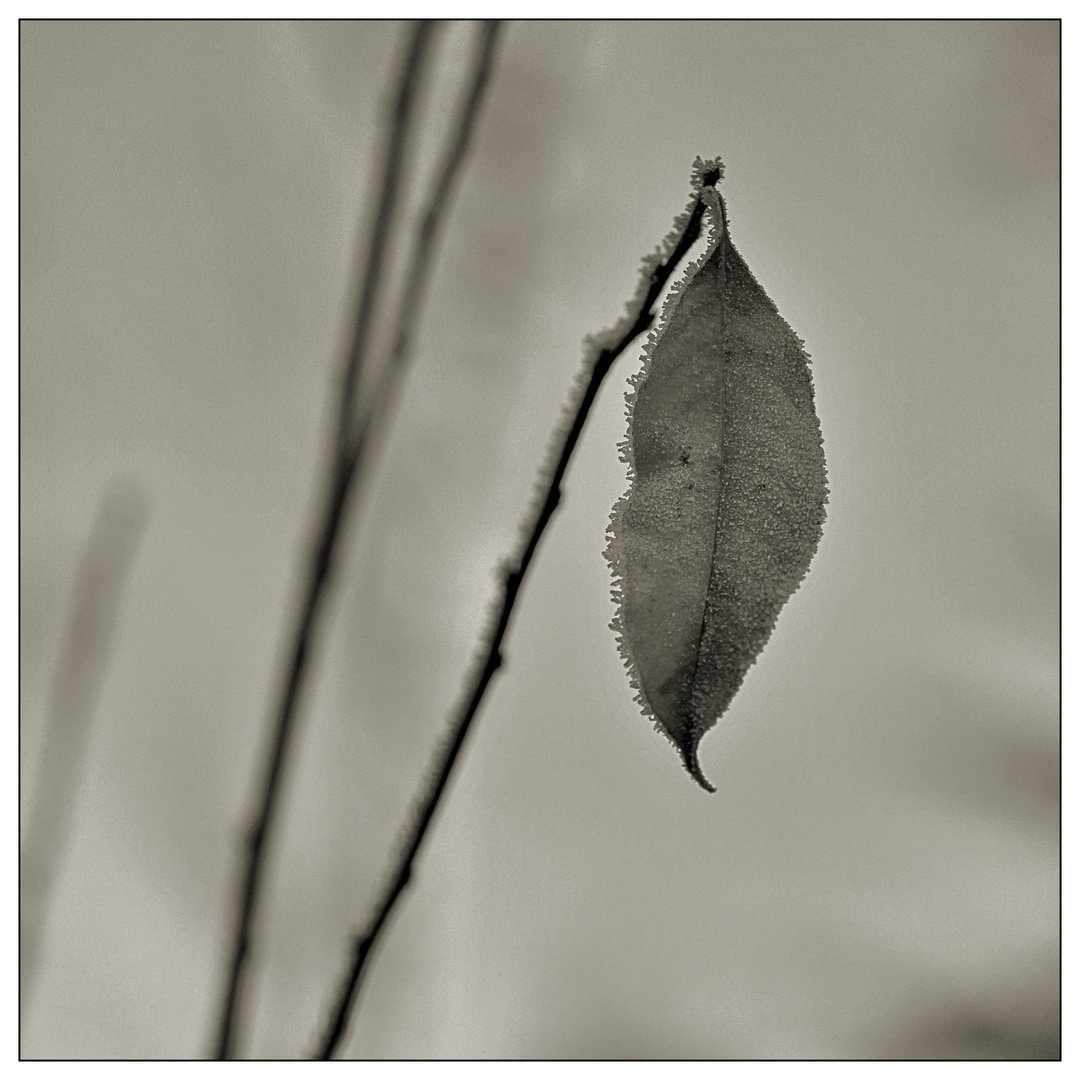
pixel 514 573
pixel 342 471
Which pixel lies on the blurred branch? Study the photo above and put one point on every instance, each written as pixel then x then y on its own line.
pixel 84 659
pixel 342 472
pixel 604 353
pixel 389 194
pixel 425 244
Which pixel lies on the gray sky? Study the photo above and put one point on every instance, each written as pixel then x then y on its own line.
pixel 877 874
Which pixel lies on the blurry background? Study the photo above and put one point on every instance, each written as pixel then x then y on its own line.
pixel 877 875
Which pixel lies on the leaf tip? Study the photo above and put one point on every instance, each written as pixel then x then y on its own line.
pixel 693 767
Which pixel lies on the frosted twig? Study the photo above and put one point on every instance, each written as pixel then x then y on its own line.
pixel 601 353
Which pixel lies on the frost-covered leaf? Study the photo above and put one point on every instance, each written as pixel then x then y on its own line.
pixel 727 495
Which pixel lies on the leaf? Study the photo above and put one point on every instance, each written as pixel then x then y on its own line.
pixel 727 496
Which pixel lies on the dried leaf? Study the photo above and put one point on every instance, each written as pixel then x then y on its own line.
pixel 727 495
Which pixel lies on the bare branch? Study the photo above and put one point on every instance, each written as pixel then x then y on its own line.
pixel 342 472
pixel 603 354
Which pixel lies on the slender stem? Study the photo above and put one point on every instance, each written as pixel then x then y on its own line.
pixel 446 756
pixel 389 192
pixel 342 471
pixel 425 244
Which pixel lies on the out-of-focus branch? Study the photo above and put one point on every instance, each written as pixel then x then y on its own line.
pixel 84 659
pixel 342 472
pixel 425 243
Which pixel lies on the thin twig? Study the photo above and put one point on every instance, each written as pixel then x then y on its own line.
pixel 425 244
pixel 514 574
pixel 389 193
pixel 343 469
